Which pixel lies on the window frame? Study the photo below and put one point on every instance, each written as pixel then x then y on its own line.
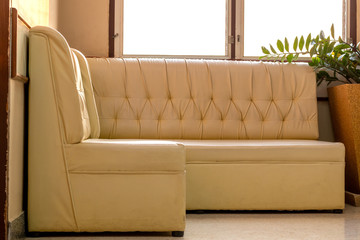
pixel 235 31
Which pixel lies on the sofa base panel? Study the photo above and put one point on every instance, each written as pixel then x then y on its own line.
pixel 144 202
pixel 129 202
pixel 272 186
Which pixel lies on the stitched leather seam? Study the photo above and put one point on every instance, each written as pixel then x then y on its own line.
pixel 147 96
pixel 62 133
pixel 127 172
pixel 266 162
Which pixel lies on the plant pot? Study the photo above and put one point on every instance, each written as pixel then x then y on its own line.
pixel 344 101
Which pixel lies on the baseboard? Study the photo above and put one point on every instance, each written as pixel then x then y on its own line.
pixel 352 199
pixel 16 228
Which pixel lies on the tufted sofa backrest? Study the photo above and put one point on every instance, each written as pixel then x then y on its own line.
pixel 204 99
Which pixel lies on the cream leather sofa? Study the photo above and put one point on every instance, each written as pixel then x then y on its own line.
pixel 108 139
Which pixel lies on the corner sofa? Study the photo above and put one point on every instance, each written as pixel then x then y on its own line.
pixel 110 140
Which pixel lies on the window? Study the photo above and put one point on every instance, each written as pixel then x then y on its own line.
pixel 267 21
pixel 175 27
pixel 220 28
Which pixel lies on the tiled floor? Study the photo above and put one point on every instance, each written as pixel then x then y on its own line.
pixel 251 226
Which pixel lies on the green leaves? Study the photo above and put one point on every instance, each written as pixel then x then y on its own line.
pixel 264 50
pixel 290 57
pixel 283 58
pixel 272 49
pixel 328 54
pixel 301 43
pixel 322 35
pixel 308 41
pixel 341 46
pixel 286 45
pixel 296 57
pixel 314 62
pixel 340 40
pixel 295 46
pixel 280 46
pixel 313 50
pixel 331 47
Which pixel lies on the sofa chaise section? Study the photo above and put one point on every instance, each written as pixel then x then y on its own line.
pixel 249 128
pixel 264 174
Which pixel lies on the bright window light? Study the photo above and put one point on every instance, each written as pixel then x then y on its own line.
pixel 175 27
pixel 267 21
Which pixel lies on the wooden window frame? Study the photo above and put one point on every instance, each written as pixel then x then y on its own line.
pixel 111 28
pixel 352 22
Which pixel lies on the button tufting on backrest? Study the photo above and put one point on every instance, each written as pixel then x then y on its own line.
pixel 204 99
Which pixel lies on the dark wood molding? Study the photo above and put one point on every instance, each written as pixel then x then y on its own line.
pixel 14 17
pixel 353 21
pixel 21 78
pixel 111 28
pixel 233 28
pixel 4 84
pixel 14 20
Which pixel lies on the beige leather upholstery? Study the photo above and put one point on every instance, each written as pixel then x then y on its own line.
pixel 249 128
pixel 198 99
pixel 265 186
pixel 102 155
pixel 264 174
pixel 80 184
pixel 89 94
pixel 270 151
pixel 59 64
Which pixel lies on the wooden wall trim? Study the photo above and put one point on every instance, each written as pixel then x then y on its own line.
pixel 14 16
pixel 4 84
pixel 14 19
pixel 24 21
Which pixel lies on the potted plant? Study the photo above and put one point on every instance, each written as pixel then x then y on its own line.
pixel 334 60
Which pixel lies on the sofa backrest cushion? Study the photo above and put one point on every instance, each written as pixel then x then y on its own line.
pixel 89 94
pixel 49 47
pixel 204 99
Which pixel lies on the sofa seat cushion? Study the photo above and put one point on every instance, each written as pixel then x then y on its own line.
pixel 112 156
pixel 282 151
